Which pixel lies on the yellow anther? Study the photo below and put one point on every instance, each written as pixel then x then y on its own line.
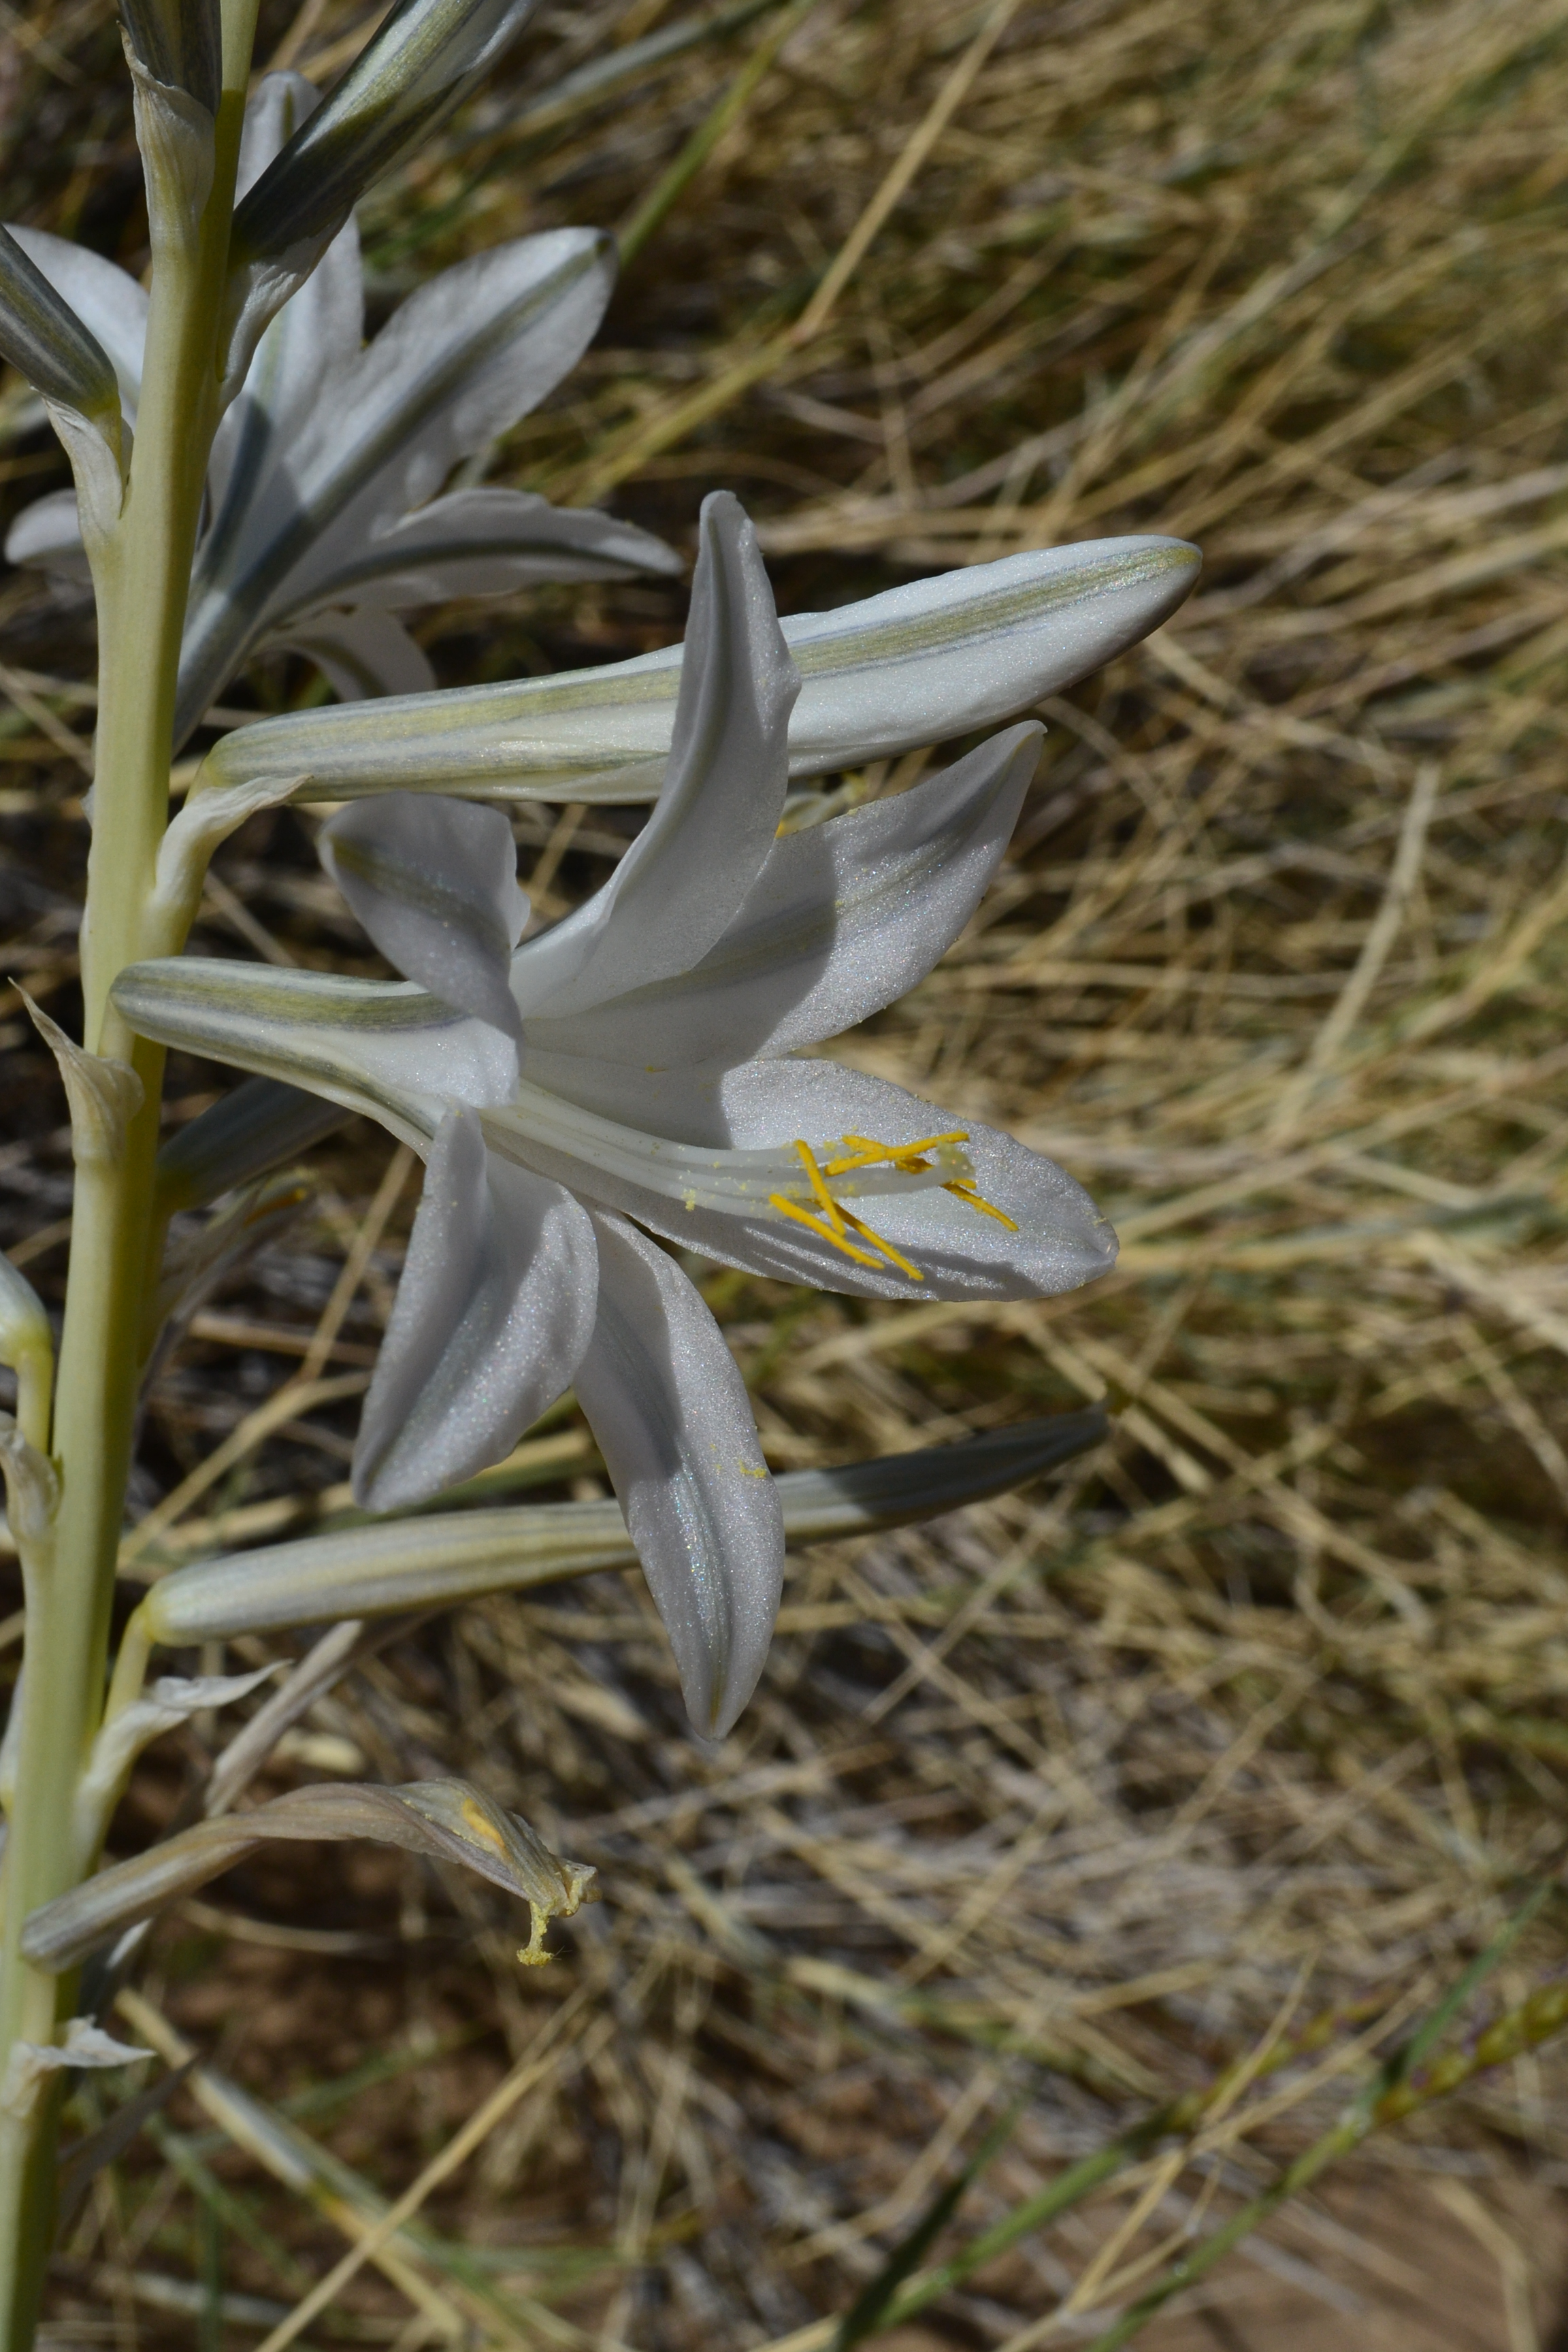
pixel 866 1152
pixel 963 1190
pixel 835 1216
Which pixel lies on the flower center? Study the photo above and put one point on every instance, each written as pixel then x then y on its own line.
pixel 835 1222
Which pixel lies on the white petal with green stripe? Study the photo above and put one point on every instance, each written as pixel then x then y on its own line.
pixel 921 663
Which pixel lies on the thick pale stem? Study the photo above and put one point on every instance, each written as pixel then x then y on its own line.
pixel 142 578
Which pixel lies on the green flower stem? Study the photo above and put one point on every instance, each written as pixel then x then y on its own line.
pixel 142 577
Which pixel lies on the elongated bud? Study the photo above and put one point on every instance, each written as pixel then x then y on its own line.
pixel 425 59
pixel 27 1349
pixel 436 1562
pixel 179 43
pixel 42 336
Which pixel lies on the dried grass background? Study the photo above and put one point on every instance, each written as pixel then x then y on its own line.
pixel 1230 1748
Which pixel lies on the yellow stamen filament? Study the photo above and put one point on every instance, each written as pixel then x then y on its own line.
pixel 835 1216
pixel 964 1190
pixel 895 1257
pixel 813 1175
pixel 820 1225
pixel 833 1221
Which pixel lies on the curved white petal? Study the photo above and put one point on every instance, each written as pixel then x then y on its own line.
pixel 695 860
pixel 675 1426
pixel 842 919
pixel 492 1315
pixel 106 299
pixel 435 884
pixel 939 658
pixel 48 534
pixel 359 654
pixel 1059 1240
pixel 385 1048
pixel 463 359
pixel 487 542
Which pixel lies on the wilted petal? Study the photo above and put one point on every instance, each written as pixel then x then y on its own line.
pixel 922 663
pixel 675 1426
pixel 492 1314
pixel 358 654
pixel 448 1821
pixel 106 299
pixel 435 884
pixel 694 861
pixel 843 919
pixel 1054 1240
pixel 385 1048
pixel 486 543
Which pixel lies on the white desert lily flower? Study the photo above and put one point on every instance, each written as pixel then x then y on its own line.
pixel 324 520
pixel 633 1071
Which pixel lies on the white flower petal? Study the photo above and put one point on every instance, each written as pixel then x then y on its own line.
pixel 385 1048
pixel 48 534
pixel 936 659
pixel 359 654
pixel 463 358
pixel 694 861
pixel 107 299
pixel 487 542
pixel 1060 1239
pixel 315 341
pixel 435 884
pixel 675 1426
pixel 843 919
pixel 493 1312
